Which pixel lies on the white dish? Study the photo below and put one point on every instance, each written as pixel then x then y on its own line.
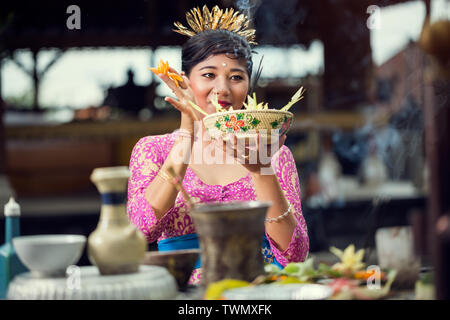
pixel 49 255
pixel 280 292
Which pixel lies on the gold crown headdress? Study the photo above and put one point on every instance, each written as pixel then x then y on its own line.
pixel 229 19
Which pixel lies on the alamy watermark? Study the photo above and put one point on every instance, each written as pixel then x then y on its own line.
pixel 74 20
pixel 374 280
pixel 374 20
pixel 73 281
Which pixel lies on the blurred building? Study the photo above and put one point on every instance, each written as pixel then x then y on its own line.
pixel 401 90
pixel 131 98
pixel 401 78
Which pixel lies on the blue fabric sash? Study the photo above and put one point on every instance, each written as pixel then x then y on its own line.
pixel 190 241
pixel 269 254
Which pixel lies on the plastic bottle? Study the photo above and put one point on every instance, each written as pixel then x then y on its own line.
pixel 10 265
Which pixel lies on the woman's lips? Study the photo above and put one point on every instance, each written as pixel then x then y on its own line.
pixel 224 103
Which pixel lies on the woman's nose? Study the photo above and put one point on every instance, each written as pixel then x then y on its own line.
pixel 222 87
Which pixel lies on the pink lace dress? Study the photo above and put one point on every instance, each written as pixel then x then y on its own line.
pixel 147 158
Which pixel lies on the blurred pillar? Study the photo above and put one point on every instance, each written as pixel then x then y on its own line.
pixel 437 128
pixel 347 54
pixel 35 78
pixel 434 40
pixel 2 127
pixel 5 188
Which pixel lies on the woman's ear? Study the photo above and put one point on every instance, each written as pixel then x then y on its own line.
pixel 183 73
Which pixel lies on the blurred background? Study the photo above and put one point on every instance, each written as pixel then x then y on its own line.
pixel 76 94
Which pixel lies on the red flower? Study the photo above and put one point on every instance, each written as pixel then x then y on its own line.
pixel 235 124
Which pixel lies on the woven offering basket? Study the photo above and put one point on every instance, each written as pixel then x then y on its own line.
pixel 247 123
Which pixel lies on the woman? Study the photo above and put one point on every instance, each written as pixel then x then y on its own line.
pixel 215 64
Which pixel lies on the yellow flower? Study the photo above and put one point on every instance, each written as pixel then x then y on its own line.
pixel 350 261
pixel 214 290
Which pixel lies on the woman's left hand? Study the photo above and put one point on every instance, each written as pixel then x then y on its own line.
pixel 253 153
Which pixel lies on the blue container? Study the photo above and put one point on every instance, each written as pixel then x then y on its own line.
pixel 10 265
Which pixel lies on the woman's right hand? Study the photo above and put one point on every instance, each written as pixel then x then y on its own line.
pixel 184 94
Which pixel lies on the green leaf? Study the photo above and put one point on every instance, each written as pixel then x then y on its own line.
pixel 292 268
pixel 218 125
pixel 240 116
pixel 272 269
pixel 302 270
pixel 255 122
pixel 326 270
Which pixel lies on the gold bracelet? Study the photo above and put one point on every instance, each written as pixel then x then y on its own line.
pixel 163 174
pixel 186 134
pixel 182 137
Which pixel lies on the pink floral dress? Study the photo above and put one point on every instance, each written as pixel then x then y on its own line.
pixel 148 156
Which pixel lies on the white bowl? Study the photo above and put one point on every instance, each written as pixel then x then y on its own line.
pixel 49 255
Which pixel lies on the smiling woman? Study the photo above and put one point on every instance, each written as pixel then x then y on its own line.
pixel 210 77
pixel 216 64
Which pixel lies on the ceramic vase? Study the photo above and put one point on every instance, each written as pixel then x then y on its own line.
pixel 115 246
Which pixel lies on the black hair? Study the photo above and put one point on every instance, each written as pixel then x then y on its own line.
pixel 212 42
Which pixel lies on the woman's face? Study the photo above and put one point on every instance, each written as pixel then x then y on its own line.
pixel 222 75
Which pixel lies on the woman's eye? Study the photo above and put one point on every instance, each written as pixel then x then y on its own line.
pixel 236 77
pixel 208 75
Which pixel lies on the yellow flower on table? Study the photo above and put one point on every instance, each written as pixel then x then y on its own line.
pixel 351 261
